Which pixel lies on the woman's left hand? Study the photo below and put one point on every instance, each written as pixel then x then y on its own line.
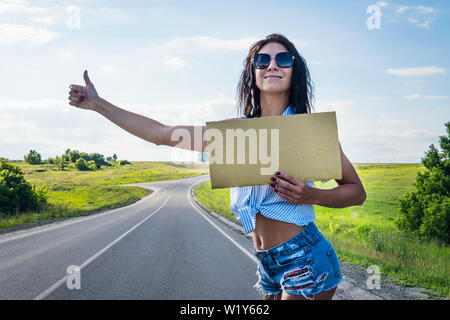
pixel 291 188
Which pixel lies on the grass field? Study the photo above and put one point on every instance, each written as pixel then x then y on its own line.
pixel 74 193
pixel 366 235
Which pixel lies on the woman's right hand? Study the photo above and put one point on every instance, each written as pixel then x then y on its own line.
pixel 83 96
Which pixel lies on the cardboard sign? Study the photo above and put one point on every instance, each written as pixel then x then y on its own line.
pixel 247 152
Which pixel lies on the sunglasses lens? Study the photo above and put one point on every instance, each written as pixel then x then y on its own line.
pixel 284 59
pixel 261 61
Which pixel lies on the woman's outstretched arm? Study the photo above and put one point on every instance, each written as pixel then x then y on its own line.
pixel 184 137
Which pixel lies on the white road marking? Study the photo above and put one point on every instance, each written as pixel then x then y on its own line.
pixel 250 255
pixel 55 286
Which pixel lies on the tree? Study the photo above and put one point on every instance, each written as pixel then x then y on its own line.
pixel 115 157
pixel 60 163
pixel 91 165
pixel 426 212
pixel 51 161
pixel 73 155
pixel 85 156
pixel 123 162
pixel 99 159
pixel 81 164
pixel 33 157
pixel 16 194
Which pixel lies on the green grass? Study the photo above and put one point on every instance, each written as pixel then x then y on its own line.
pixel 74 193
pixel 366 235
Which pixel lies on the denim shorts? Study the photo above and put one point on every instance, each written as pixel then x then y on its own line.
pixel 303 265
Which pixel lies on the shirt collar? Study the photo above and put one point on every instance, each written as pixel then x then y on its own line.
pixel 289 110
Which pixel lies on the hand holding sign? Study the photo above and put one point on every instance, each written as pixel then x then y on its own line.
pixel 292 189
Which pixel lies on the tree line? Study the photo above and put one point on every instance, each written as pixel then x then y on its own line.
pixel 82 161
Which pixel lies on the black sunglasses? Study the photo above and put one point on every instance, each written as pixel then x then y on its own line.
pixel 283 60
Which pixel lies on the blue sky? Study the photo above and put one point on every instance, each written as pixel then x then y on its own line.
pixel 179 62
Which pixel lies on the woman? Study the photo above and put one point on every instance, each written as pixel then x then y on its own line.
pixel 295 261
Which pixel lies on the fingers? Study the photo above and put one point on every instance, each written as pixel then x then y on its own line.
pixel 76 100
pixel 286 196
pixel 75 93
pixel 78 88
pixel 292 194
pixel 285 184
pixel 288 177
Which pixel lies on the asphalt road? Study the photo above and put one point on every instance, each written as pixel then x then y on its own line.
pixel 161 247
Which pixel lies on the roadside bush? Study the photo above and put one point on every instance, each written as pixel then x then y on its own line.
pixel 426 212
pixel 16 194
pixel 41 193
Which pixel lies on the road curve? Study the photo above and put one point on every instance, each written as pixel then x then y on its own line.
pixel 161 247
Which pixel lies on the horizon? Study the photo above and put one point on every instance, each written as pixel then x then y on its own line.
pixel 205 162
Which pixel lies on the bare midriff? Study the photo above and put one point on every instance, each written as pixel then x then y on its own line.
pixel 269 233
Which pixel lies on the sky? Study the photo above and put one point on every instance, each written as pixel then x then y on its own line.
pixel 382 66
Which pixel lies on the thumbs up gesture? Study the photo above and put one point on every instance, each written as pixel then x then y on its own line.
pixel 83 96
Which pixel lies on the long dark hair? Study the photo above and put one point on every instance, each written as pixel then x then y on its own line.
pixel 301 92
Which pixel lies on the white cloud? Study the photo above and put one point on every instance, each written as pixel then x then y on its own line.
pixel 392 121
pixel 417 14
pixel 19 7
pixel 382 4
pixel 413 96
pixel 342 107
pixel 381 145
pixel 425 10
pixel 419 71
pixel 64 13
pixel 425 24
pixel 418 96
pixel 401 8
pixel 107 15
pixel 11 34
pixel 64 56
pixel 47 20
pixel 108 68
pixel 175 62
pixel 211 43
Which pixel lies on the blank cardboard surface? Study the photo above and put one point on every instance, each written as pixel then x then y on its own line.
pixel 307 146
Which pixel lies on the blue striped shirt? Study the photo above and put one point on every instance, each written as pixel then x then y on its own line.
pixel 247 201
